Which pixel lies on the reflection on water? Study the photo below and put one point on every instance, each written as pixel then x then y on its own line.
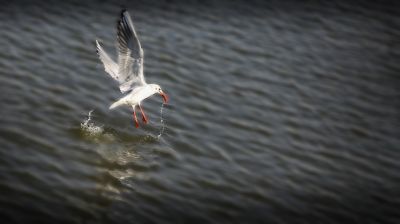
pixel 280 112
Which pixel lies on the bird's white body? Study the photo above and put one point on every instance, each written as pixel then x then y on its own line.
pixel 128 72
pixel 136 96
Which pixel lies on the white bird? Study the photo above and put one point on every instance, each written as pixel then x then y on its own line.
pixel 129 70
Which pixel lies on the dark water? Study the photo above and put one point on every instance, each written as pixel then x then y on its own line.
pixel 280 113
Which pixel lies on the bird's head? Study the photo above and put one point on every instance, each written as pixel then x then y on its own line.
pixel 157 89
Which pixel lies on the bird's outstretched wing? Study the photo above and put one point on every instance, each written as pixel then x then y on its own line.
pixel 109 65
pixel 130 55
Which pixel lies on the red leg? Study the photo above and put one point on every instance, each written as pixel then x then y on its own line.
pixel 135 118
pixel 144 117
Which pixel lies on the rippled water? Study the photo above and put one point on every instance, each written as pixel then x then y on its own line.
pixel 280 113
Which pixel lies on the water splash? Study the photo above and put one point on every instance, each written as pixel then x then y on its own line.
pixel 90 128
pixel 162 122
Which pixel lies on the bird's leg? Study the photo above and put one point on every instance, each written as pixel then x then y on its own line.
pixel 135 118
pixel 144 117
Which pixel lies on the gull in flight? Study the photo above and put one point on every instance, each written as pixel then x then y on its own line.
pixel 129 70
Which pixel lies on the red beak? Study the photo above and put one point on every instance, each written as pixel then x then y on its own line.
pixel 164 96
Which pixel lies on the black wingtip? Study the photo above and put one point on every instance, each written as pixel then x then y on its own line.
pixel 97 49
pixel 121 15
pixel 123 11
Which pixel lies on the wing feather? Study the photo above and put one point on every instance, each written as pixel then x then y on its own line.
pixel 109 65
pixel 130 54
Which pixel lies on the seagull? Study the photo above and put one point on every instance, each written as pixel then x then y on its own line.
pixel 129 70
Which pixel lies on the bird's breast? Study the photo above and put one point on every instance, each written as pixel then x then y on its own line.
pixel 139 95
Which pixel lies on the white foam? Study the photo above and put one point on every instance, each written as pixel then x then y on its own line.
pixel 90 128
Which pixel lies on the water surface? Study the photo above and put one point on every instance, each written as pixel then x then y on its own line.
pixel 279 113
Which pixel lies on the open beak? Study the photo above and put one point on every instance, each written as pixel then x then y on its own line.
pixel 164 96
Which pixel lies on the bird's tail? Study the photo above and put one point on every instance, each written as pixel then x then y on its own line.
pixel 117 104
